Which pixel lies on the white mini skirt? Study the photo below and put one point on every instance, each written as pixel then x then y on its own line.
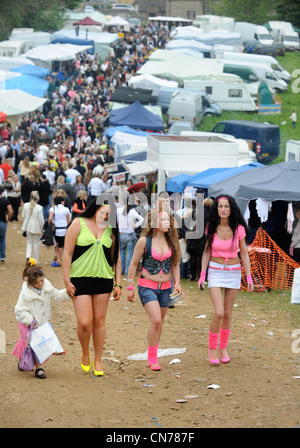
pixel 222 278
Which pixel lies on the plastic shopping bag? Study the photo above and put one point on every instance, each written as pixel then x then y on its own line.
pixel 44 342
pixel 295 296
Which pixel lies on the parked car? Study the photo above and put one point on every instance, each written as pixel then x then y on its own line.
pixel 264 137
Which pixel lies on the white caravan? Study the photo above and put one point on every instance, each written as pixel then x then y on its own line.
pixel 229 91
pixel 14 48
pixel 292 150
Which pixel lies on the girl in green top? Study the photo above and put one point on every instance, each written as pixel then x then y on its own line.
pixel 91 262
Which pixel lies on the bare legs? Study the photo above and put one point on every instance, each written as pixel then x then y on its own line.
pixel 90 314
pixel 222 314
pixel 156 316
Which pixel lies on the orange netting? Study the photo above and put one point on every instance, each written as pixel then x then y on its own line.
pixel 271 267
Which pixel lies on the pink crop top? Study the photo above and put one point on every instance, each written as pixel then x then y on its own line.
pixel 227 248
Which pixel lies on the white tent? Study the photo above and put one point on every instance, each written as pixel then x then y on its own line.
pixel 7 63
pixel 102 41
pixel 118 21
pixel 16 104
pixel 151 82
pixel 44 55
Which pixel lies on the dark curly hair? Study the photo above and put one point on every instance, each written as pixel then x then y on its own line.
pixel 235 219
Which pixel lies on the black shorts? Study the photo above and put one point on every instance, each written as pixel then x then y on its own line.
pixel 60 240
pixel 92 285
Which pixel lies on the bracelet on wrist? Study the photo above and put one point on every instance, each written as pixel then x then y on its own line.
pixel 119 286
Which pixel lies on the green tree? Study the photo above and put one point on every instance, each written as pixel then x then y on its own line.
pixel 41 15
pixel 289 11
pixel 253 11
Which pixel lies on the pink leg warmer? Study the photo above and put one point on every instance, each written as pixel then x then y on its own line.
pixel 213 340
pixel 152 355
pixel 224 336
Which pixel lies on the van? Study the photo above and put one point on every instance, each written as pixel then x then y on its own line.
pixel 250 31
pixel 124 6
pixel 229 91
pixel 208 107
pixel 247 75
pixel 180 126
pixel 264 137
pixel 284 33
pixel 292 150
pixel 264 73
pixel 185 107
pixel 259 59
pixel 14 48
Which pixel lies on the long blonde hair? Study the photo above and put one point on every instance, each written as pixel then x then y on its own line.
pixel 171 235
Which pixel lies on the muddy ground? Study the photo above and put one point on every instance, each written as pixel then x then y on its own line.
pixel 259 388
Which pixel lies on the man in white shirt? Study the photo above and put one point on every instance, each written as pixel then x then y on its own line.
pixel 72 174
pixel 96 186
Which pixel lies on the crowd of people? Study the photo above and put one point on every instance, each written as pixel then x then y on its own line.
pixel 54 165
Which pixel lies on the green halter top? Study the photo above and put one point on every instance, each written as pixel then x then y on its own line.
pixel 91 255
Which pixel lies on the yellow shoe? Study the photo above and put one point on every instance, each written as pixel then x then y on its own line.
pixel 85 368
pixel 97 372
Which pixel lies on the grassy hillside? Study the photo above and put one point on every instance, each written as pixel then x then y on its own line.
pixel 290 101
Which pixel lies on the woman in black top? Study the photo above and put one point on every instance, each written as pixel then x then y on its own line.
pixel 6 213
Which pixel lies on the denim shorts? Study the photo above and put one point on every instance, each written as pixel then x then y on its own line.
pixel 150 295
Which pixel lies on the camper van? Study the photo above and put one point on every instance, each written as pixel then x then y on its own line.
pixel 14 48
pixel 284 33
pixel 229 91
pixel 270 61
pixel 208 107
pixel 264 73
pixel 250 31
pixel 185 107
pixel 247 75
pixel 264 137
pixel 292 150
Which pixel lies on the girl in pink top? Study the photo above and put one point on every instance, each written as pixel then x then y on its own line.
pixel 226 236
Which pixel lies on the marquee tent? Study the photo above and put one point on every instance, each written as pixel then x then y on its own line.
pixel 16 103
pixel 204 179
pixel 150 82
pixel 102 40
pixel 44 55
pixel 136 116
pixel 124 94
pixel 32 70
pixel 280 181
pixel 29 84
pixel 87 21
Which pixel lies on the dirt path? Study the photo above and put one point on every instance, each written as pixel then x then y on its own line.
pixel 257 388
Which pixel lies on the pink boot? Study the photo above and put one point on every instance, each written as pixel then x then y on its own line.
pixel 212 345
pixel 152 358
pixel 224 336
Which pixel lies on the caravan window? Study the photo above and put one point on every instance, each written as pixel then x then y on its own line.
pixel 235 93
pixel 209 90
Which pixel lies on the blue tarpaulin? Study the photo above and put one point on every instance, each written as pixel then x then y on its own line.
pixel 206 178
pixel 29 84
pixel 32 70
pixel 136 116
pixel 178 183
pixel 211 178
pixel 74 41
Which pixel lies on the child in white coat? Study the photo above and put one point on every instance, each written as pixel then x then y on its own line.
pixel 34 305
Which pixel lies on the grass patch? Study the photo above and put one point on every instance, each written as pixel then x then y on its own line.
pixel 290 101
